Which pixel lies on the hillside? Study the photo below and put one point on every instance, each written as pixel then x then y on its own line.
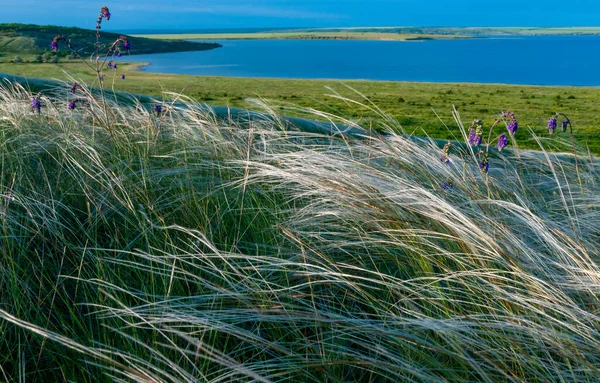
pixel 35 39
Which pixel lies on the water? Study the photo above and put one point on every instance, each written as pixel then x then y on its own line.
pixel 548 60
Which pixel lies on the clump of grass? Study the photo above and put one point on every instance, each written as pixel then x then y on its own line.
pixel 180 246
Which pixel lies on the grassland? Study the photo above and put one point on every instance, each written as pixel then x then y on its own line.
pixel 181 247
pixel 415 105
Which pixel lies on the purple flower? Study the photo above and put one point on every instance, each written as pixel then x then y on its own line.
pixel 36 104
pixel 55 40
pixel 115 66
pixel 565 125
pixel 104 13
pixel 74 87
pixel 101 78
pixel 119 54
pixel 474 138
pixel 447 186
pixel 126 46
pixel 484 166
pixel 122 77
pixel 158 109
pixel 552 124
pixel 110 64
pixel 513 126
pixel 72 104
pixel 502 141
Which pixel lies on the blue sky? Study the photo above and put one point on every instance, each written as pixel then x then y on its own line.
pixel 180 14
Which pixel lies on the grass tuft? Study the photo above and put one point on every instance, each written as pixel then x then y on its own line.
pixel 180 246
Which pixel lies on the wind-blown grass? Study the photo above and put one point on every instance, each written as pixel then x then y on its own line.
pixel 187 247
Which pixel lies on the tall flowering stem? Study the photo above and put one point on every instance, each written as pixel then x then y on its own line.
pixel 476 137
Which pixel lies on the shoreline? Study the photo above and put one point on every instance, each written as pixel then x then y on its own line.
pixel 140 68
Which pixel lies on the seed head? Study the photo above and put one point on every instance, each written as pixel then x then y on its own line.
pixel 446 153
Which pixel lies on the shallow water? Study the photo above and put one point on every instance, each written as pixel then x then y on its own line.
pixel 548 60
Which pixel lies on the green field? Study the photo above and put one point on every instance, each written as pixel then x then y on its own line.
pixel 415 105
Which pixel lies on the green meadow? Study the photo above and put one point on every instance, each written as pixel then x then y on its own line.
pixel 423 109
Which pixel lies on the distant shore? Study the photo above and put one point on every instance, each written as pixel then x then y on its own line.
pixel 370 36
pixel 375 33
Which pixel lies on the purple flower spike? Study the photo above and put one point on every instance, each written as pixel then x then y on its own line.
pixel 72 104
pixel 54 46
pixel 502 141
pixel 565 125
pixel 126 46
pixel 484 166
pixel 104 12
pixel 552 124
pixel 36 105
pixel 513 126
pixel 474 139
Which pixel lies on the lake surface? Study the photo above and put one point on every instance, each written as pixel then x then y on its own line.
pixel 548 60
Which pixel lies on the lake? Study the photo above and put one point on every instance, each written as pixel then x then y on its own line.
pixel 548 60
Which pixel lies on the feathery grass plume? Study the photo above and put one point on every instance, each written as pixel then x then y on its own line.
pixel 445 157
pixel 238 247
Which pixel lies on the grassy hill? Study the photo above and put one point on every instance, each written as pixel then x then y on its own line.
pixel 23 39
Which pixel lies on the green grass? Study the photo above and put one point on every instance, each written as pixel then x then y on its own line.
pixel 414 105
pixel 28 39
pixel 184 247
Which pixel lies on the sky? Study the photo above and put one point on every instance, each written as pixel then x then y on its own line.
pixel 216 14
